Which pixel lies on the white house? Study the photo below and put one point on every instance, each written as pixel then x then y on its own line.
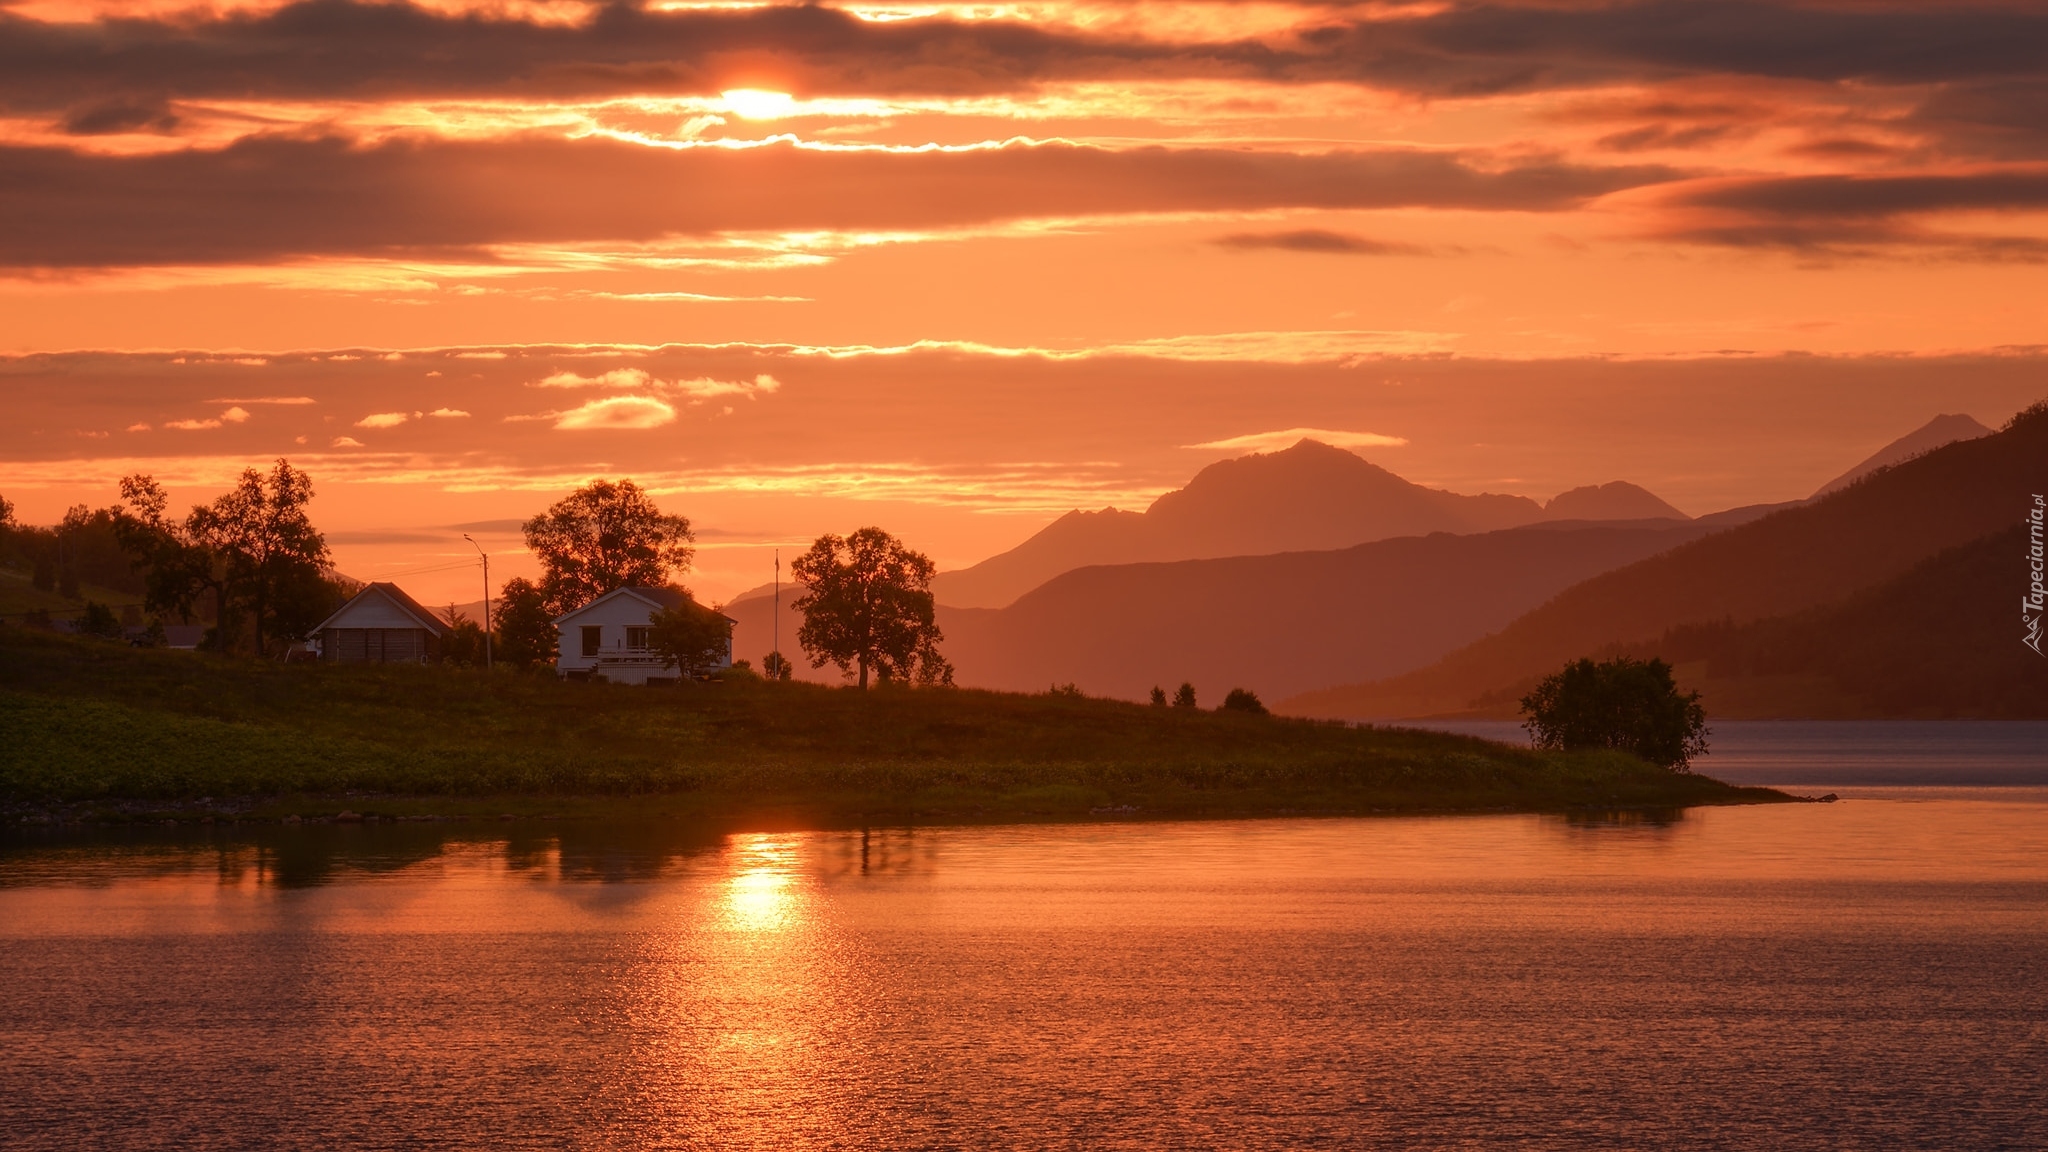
pixel 608 638
pixel 380 625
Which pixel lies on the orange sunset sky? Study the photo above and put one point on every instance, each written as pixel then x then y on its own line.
pixel 954 269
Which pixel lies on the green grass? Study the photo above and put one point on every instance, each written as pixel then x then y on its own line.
pixel 98 726
pixel 19 595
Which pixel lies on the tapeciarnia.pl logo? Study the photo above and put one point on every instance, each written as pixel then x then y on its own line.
pixel 2032 604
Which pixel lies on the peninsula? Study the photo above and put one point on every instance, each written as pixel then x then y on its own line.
pixel 99 731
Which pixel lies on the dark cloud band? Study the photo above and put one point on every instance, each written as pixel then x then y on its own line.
pixel 266 199
pixel 330 49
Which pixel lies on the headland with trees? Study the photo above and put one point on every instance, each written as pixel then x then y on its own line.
pixel 98 729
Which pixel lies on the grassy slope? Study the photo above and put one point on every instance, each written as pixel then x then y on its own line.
pixel 82 720
pixel 18 594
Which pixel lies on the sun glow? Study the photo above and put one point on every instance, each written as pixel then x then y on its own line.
pixel 758 103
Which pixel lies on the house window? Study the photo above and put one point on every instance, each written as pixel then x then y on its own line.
pixel 593 638
pixel 636 639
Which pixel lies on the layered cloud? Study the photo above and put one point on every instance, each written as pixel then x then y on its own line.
pixel 267 199
pixel 423 145
pixel 1852 214
pixel 117 74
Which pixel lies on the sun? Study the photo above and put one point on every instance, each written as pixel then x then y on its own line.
pixel 758 103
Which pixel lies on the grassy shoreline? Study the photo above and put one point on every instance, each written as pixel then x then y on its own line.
pixel 93 731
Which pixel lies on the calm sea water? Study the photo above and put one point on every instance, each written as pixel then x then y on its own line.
pixel 1863 757
pixel 1866 974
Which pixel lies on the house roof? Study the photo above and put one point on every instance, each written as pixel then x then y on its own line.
pixel 397 597
pixel 656 599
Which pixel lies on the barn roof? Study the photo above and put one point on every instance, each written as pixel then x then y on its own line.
pixel 397 597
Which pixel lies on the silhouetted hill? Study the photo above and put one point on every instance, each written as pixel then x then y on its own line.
pixel 1308 497
pixel 1078 539
pixel 1788 562
pixel 1278 624
pixel 1936 433
pixel 1941 641
pixel 1619 500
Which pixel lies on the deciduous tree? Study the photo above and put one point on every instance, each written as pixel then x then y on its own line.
pixel 526 629
pixel 254 549
pixel 1631 705
pixel 690 637
pixel 603 536
pixel 274 557
pixel 867 608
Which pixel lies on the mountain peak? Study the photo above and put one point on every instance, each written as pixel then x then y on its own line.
pixel 1309 496
pixel 1616 500
pixel 1936 433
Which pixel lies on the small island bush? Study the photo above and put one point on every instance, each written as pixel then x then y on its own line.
pixel 1624 704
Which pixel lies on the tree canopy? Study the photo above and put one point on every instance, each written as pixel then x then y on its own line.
pixel 1631 705
pixel 867 607
pixel 604 536
pixel 525 628
pixel 1244 700
pixel 690 637
pixel 254 549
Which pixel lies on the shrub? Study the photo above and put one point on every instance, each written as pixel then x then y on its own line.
pixel 1626 704
pixel 1243 700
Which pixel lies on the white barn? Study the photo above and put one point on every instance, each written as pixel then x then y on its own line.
pixel 380 625
pixel 608 638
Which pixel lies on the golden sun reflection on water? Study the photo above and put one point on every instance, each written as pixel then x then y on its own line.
pixel 746 995
pixel 760 894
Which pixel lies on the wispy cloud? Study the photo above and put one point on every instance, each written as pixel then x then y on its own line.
pixel 1288 437
pixel 640 380
pixel 385 419
pixel 230 416
pixel 1321 241
pixel 617 412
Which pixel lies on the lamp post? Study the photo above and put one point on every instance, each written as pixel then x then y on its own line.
pixel 487 598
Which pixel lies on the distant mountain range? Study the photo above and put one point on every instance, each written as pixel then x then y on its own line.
pixel 1288 622
pixel 1901 567
pixel 1308 497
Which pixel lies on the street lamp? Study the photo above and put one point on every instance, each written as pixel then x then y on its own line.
pixel 487 598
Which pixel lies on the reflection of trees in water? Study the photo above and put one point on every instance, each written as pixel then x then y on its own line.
pixel 1643 819
pixel 607 852
pixel 287 857
pixel 323 853
pixel 876 852
pixel 569 851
